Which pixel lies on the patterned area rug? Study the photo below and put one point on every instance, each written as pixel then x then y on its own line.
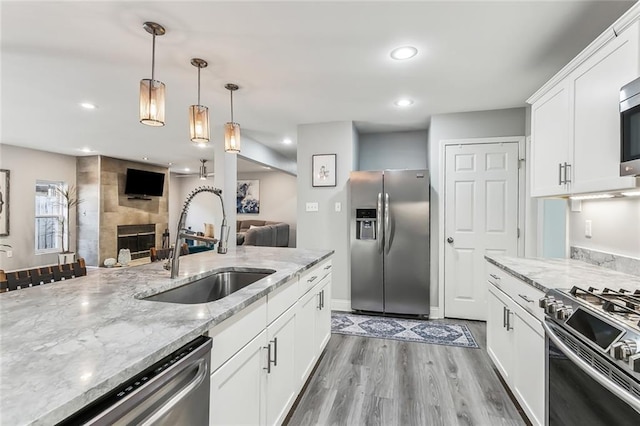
pixel 403 329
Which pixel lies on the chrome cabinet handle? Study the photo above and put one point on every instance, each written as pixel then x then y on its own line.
pixel 319 301
pixel 275 351
pixel 268 367
pixel 509 326
pixel 322 299
pixel 327 267
pixel 494 276
pixel 312 279
pixel 567 167
pixel 380 237
pixel 560 167
pixel 505 313
pixel 526 299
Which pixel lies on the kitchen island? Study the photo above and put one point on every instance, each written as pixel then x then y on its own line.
pixel 63 345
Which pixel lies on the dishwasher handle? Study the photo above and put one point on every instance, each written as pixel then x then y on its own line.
pixel 201 374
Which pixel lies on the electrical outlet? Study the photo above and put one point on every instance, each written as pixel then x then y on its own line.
pixel 587 228
pixel 338 206
pixel 9 253
pixel 312 207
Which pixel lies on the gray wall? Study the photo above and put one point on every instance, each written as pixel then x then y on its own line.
pixel 394 150
pixel 326 228
pixel 554 229
pixel 615 226
pixel 262 154
pixel 26 166
pixel 277 199
pixel 465 125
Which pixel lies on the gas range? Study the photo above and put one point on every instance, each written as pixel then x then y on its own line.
pixel 606 320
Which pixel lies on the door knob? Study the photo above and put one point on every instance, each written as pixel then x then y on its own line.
pixel 449 240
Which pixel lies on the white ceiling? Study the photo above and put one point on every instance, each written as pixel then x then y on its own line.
pixel 296 62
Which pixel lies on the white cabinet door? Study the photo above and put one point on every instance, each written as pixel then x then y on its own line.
pixel 528 371
pixel 499 339
pixel 282 385
pixel 305 336
pixel 551 141
pixel 323 315
pixel 238 385
pixel 597 84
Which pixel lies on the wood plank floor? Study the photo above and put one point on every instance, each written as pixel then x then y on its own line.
pixel 365 381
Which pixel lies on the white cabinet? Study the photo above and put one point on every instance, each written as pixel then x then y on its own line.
pixel 575 124
pixel 263 355
pixel 596 86
pixel 282 386
pixel 550 142
pixel 237 388
pixel 515 341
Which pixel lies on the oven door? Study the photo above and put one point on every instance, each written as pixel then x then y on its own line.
pixel 585 388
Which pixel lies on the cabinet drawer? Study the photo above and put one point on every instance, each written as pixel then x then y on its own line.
pixel 281 300
pixel 527 297
pixel 313 276
pixel 232 334
pixel 499 278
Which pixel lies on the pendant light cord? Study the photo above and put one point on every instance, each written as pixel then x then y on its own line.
pixel 199 87
pixel 231 105
pixel 153 58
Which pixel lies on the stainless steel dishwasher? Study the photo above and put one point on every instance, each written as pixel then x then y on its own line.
pixel 173 391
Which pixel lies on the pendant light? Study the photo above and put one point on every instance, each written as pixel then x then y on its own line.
pixel 232 129
pixel 152 90
pixel 199 114
pixel 203 170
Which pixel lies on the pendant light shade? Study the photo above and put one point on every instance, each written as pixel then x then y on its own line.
pixel 152 91
pixel 199 114
pixel 232 129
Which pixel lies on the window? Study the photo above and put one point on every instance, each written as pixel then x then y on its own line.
pixel 50 217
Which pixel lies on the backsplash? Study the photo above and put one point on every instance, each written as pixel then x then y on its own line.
pixel 628 265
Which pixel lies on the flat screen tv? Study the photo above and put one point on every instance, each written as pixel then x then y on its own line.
pixel 144 183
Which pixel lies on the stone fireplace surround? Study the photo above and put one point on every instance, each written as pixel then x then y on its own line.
pixel 100 181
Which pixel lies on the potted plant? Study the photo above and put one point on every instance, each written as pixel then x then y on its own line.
pixel 70 200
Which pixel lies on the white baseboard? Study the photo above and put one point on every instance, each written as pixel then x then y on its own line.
pixel 341 305
pixel 434 313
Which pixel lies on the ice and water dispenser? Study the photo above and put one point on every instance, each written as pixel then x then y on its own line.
pixel 366 224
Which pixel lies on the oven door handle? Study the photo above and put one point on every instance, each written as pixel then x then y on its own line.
pixel 586 368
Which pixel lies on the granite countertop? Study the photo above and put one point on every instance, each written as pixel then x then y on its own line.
pixel 545 274
pixel 67 343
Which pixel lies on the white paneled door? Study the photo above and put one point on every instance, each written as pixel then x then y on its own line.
pixel 481 217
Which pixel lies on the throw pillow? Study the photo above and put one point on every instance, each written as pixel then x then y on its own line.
pixel 253 226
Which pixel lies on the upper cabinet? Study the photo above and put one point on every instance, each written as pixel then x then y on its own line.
pixel 575 119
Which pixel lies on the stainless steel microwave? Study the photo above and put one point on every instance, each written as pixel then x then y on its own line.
pixel 630 129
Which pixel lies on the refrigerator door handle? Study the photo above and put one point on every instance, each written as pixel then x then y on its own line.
pixel 379 223
pixel 387 221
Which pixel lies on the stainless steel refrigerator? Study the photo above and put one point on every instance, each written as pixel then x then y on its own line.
pixel 390 241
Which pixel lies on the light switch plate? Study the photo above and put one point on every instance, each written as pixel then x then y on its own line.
pixel 312 207
pixel 9 253
pixel 338 206
pixel 587 228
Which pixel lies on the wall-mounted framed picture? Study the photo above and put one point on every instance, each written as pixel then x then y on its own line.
pixel 324 170
pixel 248 197
pixel 4 203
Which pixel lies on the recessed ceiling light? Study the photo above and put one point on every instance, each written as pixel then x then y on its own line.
pixel 171 164
pixel 85 149
pixel 266 167
pixel 186 169
pixel 87 105
pixel 404 52
pixel 145 158
pixel 287 141
pixel 403 102
pixel 631 194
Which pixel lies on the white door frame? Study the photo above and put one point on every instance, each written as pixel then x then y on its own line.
pixel 520 140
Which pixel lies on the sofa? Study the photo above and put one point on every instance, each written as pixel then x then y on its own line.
pixel 262 233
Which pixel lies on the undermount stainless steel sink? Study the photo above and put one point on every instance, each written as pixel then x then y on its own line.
pixel 212 287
